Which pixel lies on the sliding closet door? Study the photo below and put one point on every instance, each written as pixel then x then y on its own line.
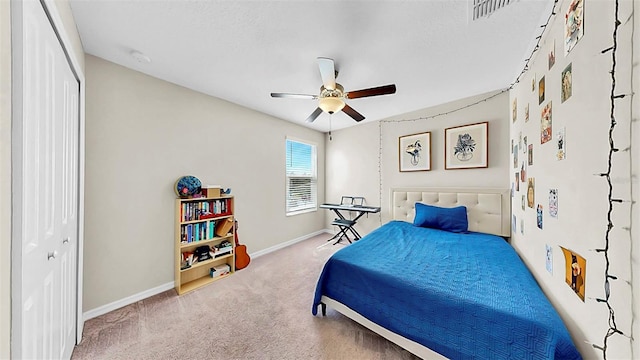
pixel 45 207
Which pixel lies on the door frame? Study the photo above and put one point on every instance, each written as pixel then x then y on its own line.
pixel 57 24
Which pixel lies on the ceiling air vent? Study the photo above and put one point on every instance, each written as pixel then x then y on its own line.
pixel 484 8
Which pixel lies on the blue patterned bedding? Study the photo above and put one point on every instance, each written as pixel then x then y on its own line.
pixel 461 295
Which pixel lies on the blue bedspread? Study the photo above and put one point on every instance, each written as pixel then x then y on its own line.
pixel 461 295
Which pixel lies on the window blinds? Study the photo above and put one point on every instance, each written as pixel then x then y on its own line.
pixel 301 176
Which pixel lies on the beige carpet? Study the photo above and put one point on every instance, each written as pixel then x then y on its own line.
pixel 261 312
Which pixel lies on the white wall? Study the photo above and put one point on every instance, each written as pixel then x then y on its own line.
pixel 142 135
pixel 5 179
pixel 353 166
pixel 582 196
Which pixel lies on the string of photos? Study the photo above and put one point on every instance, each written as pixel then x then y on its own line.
pixel 612 325
pixel 613 97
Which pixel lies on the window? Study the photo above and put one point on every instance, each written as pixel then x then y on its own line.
pixel 301 177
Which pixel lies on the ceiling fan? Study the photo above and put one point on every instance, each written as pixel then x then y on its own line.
pixel 332 94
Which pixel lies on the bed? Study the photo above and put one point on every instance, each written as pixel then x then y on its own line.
pixel 443 294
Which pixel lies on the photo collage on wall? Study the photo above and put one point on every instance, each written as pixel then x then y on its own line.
pixel 551 83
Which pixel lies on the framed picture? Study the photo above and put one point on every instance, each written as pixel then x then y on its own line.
pixel 466 146
pixel 414 152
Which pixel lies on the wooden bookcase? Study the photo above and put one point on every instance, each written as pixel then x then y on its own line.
pixel 193 229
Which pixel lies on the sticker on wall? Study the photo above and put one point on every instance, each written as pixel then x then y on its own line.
pixel 522 226
pixel 549 258
pixel 513 223
pixel 545 124
pixel 526 113
pixel 566 80
pixel 539 216
pixel 514 110
pixel 541 91
pixel 520 140
pixel 523 173
pixel 524 201
pixel 561 145
pixel 524 147
pixel 573 25
pixel 552 54
pixel 517 182
pixel 553 203
pixel 576 272
pixel 530 155
pixel 515 156
pixel 531 192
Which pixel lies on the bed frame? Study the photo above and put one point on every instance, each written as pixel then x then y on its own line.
pixel 488 211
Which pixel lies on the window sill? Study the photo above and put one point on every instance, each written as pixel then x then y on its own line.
pixel 298 212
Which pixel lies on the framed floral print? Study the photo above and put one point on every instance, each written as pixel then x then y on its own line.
pixel 414 152
pixel 466 146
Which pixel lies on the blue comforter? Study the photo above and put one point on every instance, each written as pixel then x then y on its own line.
pixel 461 295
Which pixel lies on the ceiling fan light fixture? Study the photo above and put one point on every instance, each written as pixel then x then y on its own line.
pixel 331 104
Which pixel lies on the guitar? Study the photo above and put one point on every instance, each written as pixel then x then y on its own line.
pixel 242 258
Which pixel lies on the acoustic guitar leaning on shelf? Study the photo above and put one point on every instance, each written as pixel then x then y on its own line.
pixel 242 258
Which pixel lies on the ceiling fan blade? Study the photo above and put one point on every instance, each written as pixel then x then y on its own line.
pixel 314 115
pixel 351 112
pixel 380 90
pixel 327 72
pixel 294 96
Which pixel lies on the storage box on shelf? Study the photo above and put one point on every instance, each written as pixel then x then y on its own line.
pixel 204 240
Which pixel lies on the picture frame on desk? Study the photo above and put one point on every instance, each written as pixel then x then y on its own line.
pixel 414 152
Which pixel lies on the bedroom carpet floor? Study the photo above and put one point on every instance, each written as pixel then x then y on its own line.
pixel 261 312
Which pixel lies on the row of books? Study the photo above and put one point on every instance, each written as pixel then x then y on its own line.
pixel 197 232
pixel 197 210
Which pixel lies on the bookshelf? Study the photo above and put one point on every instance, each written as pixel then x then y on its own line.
pixel 203 226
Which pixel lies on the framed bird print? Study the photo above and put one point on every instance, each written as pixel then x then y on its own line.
pixel 414 152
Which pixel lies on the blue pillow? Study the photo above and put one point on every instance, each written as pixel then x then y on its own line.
pixel 448 219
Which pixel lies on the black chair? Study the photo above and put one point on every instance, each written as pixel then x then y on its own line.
pixel 346 225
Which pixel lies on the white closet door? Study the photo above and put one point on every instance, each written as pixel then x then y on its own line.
pixel 48 192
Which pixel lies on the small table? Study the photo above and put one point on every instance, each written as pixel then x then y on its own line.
pixel 346 224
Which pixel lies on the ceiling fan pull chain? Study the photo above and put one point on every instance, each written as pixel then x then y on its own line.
pixel 330 116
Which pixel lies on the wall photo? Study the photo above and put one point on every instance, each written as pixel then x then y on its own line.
pixel 575 272
pixel 566 80
pixel 573 25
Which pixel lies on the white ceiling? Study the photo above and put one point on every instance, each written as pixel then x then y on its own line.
pixel 241 51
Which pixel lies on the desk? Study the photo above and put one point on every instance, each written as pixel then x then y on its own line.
pixel 346 224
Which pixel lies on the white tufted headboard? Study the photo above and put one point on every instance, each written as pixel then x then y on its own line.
pixel 488 210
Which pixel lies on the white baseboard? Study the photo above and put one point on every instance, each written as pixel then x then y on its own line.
pixel 126 301
pixel 158 289
pixel 288 243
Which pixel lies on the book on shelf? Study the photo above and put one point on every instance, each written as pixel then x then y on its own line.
pixel 188 259
pixel 199 231
pixel 206 209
